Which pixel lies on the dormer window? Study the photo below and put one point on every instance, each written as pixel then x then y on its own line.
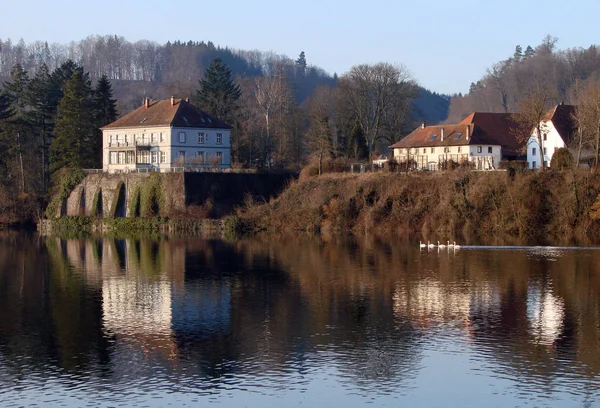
pixel 458 135
pixel 432 137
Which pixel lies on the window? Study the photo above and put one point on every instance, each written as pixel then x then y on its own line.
pixel 424 150
pixel 219 138
pixel 113 158
pixel 163 156
pixel 545 136
pixel 219 157
pixel 533 151
pixel 161 137
pixel 152 139
pixel 432 137
pixel 459 149
pixel 433 150
pixel 121 158
pixel 181 137
pixel 479 149
pixel 126 139
pixel 182 156
pixel 143 157
pixel 458 135
pixel 110 140
pixel 544 151
pixel 200 137
pixel 533 164
pixel 446 150
pixel 200 156
pixel 154 157
pixel 489 149
pixel 130 158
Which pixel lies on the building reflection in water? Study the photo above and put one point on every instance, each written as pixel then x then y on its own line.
pixel 367 310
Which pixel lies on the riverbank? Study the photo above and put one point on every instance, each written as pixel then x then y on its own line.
pixel 526 206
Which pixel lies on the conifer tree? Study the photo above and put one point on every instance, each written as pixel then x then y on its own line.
pixel 357 144
pixel 301 64
pixel 42 98
pixel 105 112
pixel 218 93
pixel 529 52
pixel 518 55
pixel 73 145
pixel 16 131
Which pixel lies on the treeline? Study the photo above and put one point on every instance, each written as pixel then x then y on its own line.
pixel 560 73
pixel 48 121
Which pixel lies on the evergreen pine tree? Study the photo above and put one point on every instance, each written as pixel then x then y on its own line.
pixel 529 52
pixel 105 112
pixel 218 93
pixel 518 55
pixel 16 131
pixel 42 98
pixel 301 64
pixel 73 145
pixel 357 144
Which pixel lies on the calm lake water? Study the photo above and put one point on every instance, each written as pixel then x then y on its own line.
pixel 306 322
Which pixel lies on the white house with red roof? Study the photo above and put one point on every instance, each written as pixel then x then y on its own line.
pixel 558 129
pixel 481 139
pixel 165 134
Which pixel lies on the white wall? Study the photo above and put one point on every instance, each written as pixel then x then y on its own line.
pixel 470 150
pixel 192 147
pixel 169 145
pixel 553 141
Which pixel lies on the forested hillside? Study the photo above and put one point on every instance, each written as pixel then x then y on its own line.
pixel 146 68
pixel 559 73
pixel 284 111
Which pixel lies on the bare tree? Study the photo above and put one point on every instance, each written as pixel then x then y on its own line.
pixel 530 118
pixel 587 118
pixel 375 93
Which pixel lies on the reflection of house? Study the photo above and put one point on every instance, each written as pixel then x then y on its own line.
pixel 163 134
pixel 558 130
pixel 545 313
pixel 433 302
pixel 482 140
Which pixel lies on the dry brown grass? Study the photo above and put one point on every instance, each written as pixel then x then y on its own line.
pixel 454 203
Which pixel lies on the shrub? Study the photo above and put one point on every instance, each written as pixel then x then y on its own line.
pixel 562 159
pixel 66 181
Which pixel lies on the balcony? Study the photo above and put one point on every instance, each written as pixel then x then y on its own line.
pixel 122 145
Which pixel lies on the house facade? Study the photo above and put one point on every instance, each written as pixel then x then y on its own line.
pixel 482 140
pixel 558 129
pixel 163 134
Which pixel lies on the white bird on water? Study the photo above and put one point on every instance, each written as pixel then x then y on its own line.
pixel 455 246
pixel 441 246
pixel 430 245
pixel 421 245
pixel 449 244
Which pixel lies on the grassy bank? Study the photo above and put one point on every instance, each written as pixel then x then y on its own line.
pixel 525 206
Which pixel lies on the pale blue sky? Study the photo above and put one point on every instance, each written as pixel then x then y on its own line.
pixel 445 44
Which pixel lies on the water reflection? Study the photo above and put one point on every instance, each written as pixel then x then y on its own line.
pixel 123 321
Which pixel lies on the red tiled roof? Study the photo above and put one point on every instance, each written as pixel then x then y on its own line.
pixel 162 113
pixel 562 117
pixel 483 128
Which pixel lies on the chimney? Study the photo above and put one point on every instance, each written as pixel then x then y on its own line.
pixel 172 101
pixel 422 125
pixel 442 133
pixel 468 132
pixel 147 103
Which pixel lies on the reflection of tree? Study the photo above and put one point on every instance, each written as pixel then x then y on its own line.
pixel 369 310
